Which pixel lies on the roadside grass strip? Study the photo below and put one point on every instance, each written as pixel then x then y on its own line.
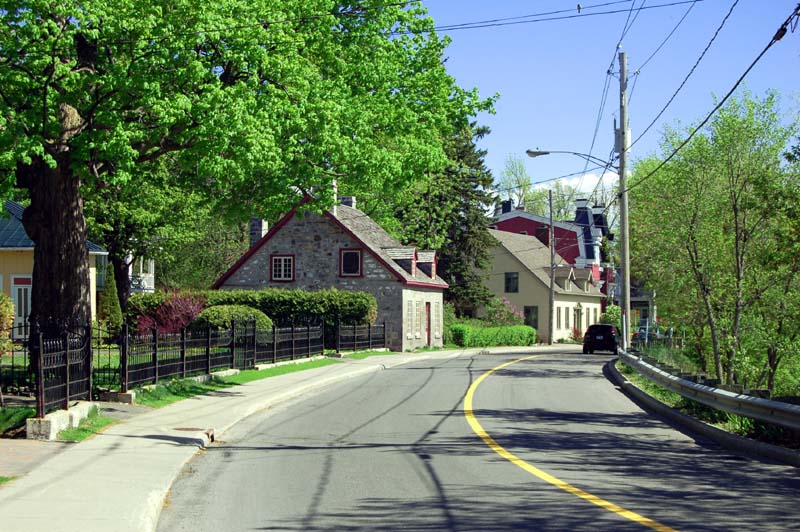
pixel 177 390
pixel 88 427
pixel 3 480
pixel 366 354
pixel 469 414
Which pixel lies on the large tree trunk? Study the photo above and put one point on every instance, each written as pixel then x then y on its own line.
pixel 54 221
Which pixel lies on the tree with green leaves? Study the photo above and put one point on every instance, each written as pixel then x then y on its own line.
pixel 704 230
pixel 255 101
pixel 109 312
pixel 515 184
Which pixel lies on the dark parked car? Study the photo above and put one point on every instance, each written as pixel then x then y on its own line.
pixel 600 337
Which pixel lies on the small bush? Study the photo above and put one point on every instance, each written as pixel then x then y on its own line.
pixel 502 312
pixel 175 313
pixel 6 322
pixel 469 336
pixel 220 317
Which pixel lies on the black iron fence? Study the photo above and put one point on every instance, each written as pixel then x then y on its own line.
pixel 357 337
pixel 77 363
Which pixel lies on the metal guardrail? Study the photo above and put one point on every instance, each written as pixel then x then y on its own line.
pixel 775 412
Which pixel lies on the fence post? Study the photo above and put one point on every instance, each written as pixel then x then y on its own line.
pixel 208 350
pixel 274 344
pixel 384 334
pixel 255 342
pixel 338 338
pixel 369 335
pixel 308 338
pixel 355 338
pixel 39 372
pixel 65 338
pixel 89 357
pixel 233 343
pixel 123 359
pixel 183 352
pixel 155 352
pixel 322 337
pixel 292 338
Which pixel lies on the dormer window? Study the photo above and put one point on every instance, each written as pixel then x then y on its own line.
pixel 350 263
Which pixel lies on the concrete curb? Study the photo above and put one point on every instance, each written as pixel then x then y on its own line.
pixel 733 442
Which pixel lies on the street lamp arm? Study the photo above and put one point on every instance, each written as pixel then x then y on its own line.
pixel 590 158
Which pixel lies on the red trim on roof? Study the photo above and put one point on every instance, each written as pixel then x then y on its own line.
pixel 250 252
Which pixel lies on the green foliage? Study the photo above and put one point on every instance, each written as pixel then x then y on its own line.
pixel 612 316
pixel 221 316
pixel 6 322
pixel 715 233
pixel 198 262
pixel 243 113
pixel 470 336
pixel 502 312
pixel 282 306
pixel 108 308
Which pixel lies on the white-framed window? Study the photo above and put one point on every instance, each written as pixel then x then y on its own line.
pixel 350 263
pixel 282 268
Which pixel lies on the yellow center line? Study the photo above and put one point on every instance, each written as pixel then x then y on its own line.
pixel 535 471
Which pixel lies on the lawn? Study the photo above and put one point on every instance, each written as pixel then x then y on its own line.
pixel 177 390
pixel 11 418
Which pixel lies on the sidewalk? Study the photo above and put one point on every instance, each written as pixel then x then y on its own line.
pixel 118 480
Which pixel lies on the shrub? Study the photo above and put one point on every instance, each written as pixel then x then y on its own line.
pixel 281 305
pixel 503 312
pixel 220 317
pixel 612 316
pixel 109 312
pixel 6 322
pixel 175 313
pixel 470 336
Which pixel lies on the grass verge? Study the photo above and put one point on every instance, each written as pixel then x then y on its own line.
pixel 88 427
pixel 742 426
pixel 366 354
pixel 12 418
pixel 3 480
pixel 177 390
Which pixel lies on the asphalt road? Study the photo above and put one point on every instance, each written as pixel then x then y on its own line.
pixel 549 444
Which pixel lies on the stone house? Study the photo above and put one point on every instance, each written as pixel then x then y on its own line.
pixel 520 272
pixel 343 248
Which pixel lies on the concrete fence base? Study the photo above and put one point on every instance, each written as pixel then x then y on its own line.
pixel 48 427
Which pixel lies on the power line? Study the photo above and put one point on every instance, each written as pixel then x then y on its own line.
pixel 685 79
pixel 545 18
pixel 790 21
pixel 667 38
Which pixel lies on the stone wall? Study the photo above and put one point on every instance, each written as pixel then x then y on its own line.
pixel 315 241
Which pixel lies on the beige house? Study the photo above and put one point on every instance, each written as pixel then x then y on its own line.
pixel 16 264
pixel 520 272
pixel 343 248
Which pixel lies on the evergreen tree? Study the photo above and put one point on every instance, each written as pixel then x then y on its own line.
pixel 108 309
pixel 448 212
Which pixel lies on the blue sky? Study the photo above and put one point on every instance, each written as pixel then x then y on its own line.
pixel 550 75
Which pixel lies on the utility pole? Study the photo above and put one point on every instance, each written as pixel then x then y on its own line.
pixel 552 241
pixel 623 145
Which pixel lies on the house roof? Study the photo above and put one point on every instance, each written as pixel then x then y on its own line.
pixel 382 245
pixel 13 235
pixel 371 236
pixel 535 257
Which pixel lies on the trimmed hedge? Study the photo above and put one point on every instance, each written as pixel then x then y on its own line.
pixel 281 305
pixel 6 322
pixel 221 316
pixel 470 336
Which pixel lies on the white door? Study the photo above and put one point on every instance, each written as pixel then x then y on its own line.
pixel 21 295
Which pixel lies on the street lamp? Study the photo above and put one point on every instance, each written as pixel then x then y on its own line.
pixel 625 266
pixel 590 158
